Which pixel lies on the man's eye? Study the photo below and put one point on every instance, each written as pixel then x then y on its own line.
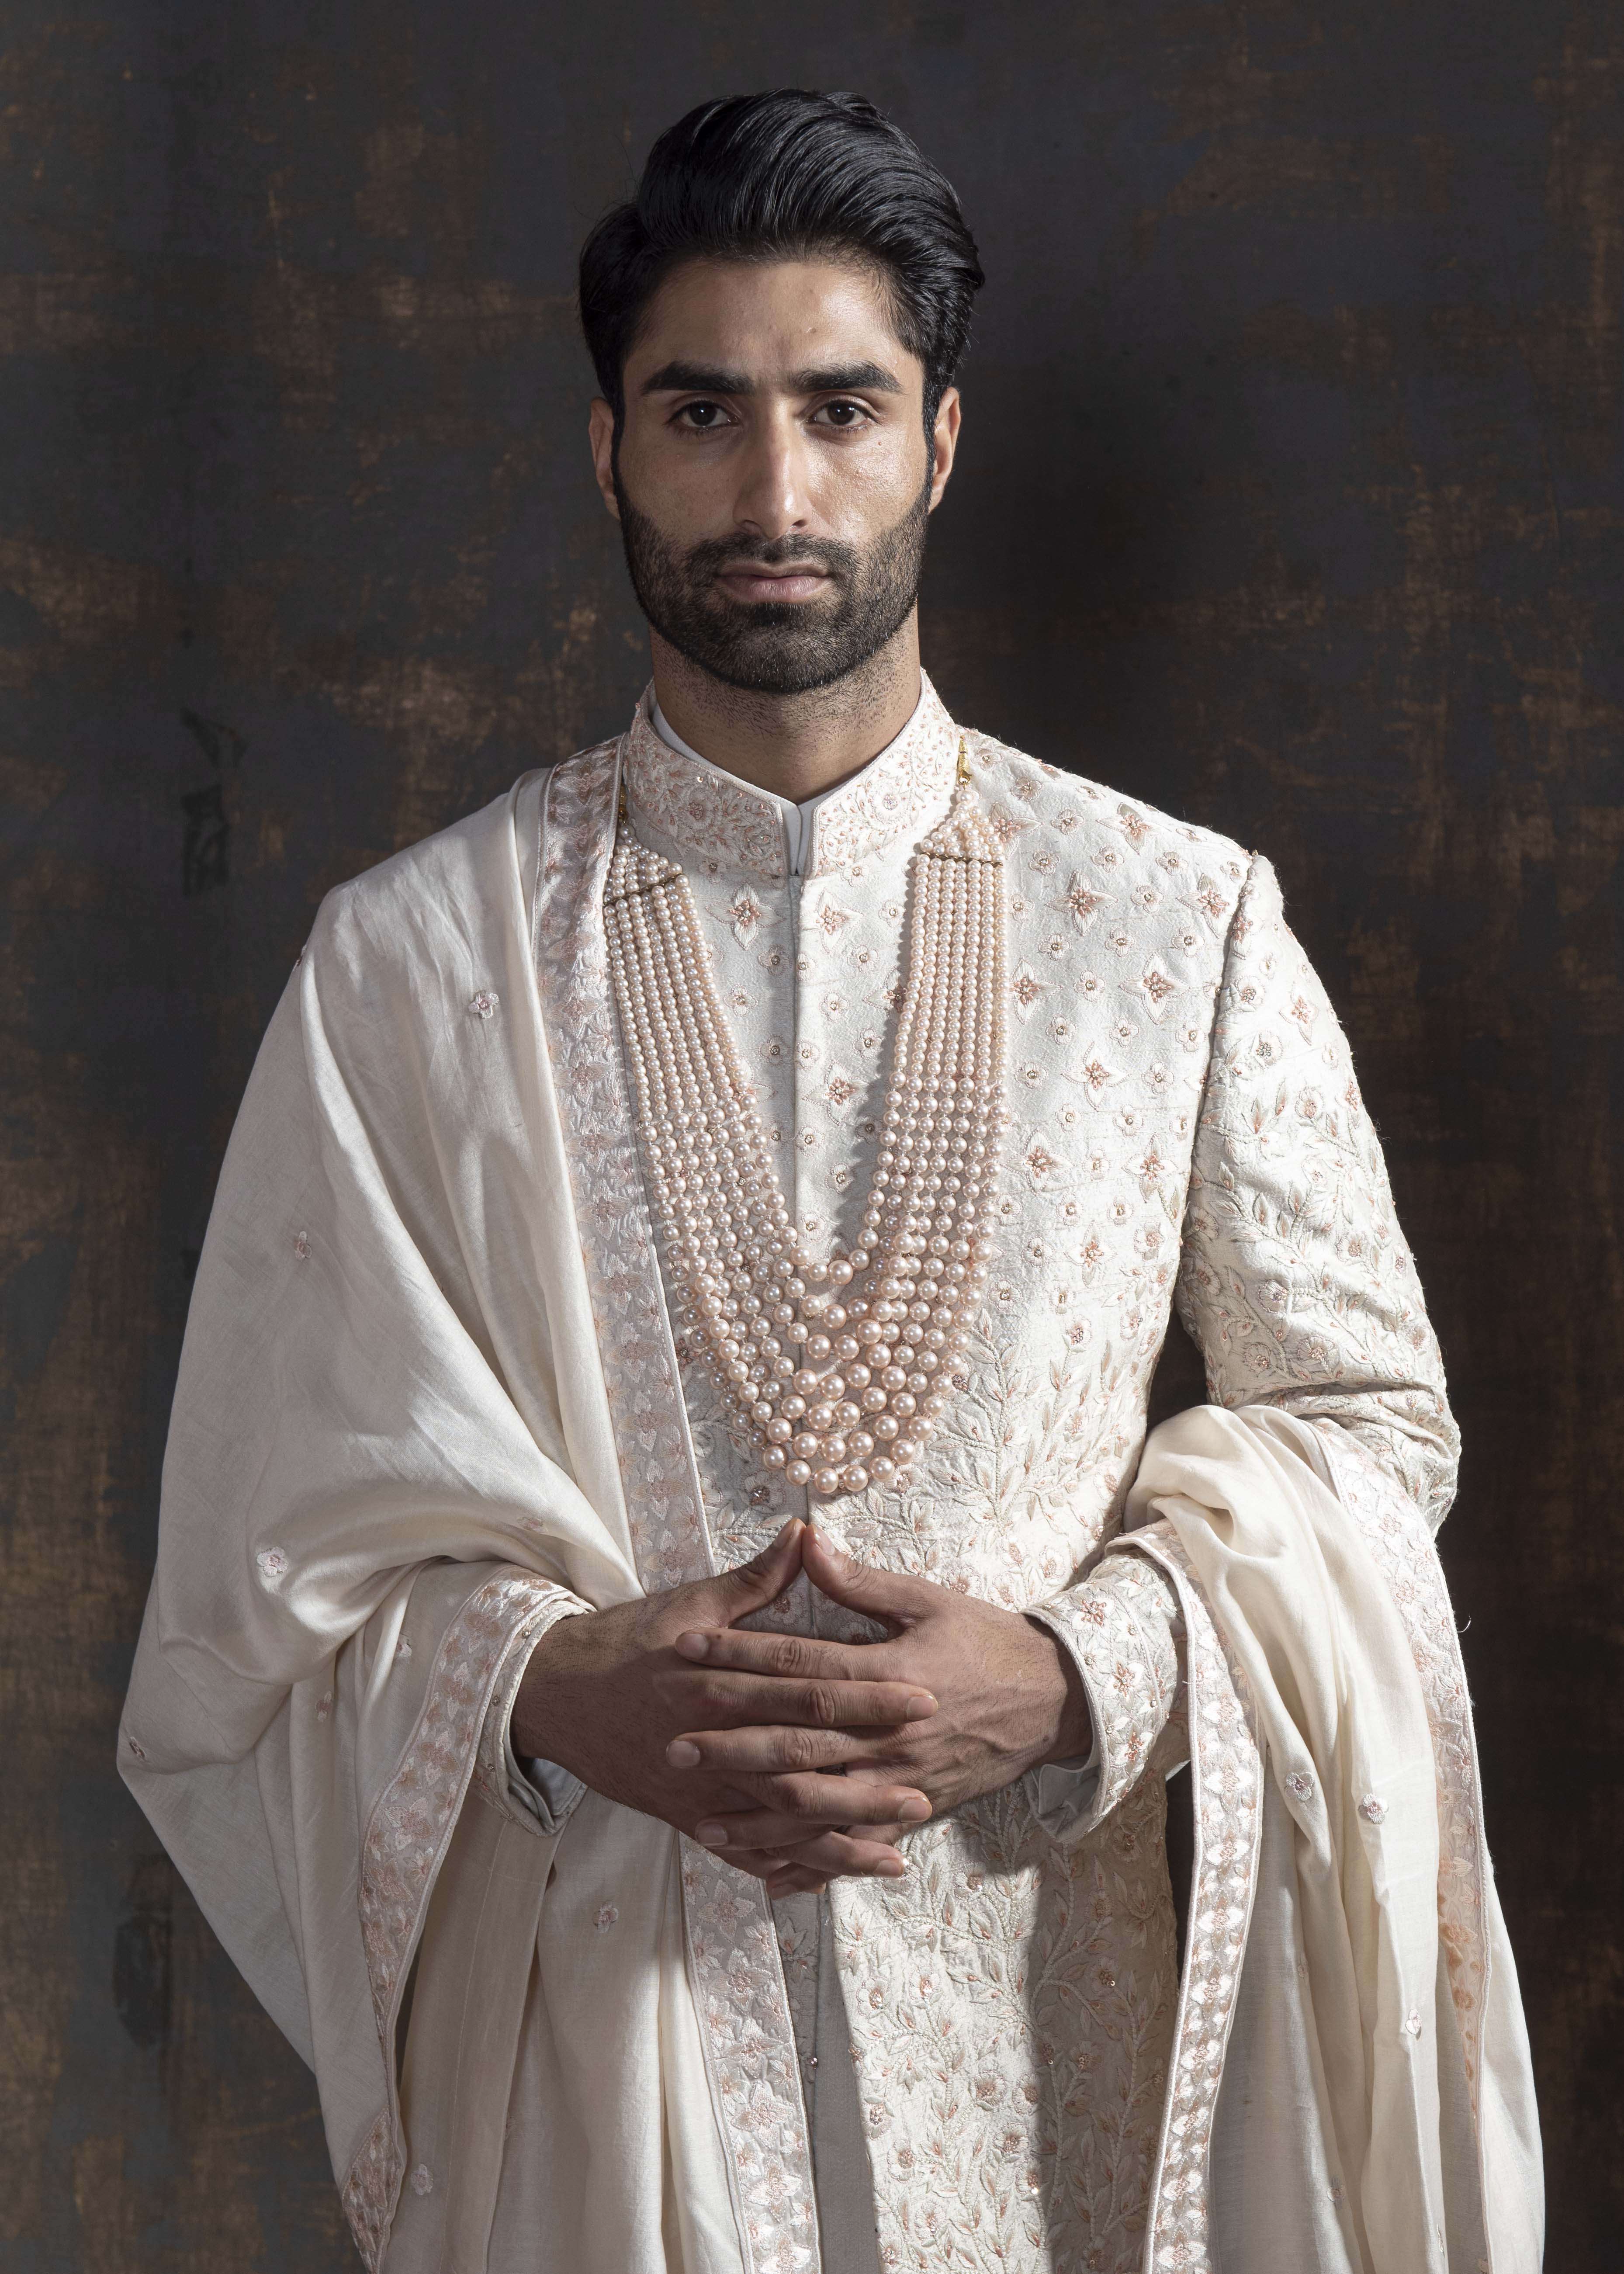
pixel 843 414
pixel 704 415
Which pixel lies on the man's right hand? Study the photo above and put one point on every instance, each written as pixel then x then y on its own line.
pixel 605 1693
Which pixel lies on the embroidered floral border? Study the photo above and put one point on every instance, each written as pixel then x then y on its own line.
pixel 708 814
pixel 663 1506
pixel 405 1840
pixel 1226 1763
pixel 1402 1544
pixel 702 812
pixel 1118 1627
pixel 495 1764
pixel 371 2186
pixel 736 1970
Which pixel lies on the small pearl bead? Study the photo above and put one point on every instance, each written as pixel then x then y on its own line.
pixel 797 1473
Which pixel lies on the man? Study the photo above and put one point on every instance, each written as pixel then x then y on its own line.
pixel 669 1639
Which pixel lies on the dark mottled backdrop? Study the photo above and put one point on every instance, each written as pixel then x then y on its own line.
pixel 1288 499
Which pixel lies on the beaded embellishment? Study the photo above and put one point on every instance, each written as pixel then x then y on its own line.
pixel 829 1365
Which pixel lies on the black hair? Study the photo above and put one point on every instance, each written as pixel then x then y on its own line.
pixel 782 177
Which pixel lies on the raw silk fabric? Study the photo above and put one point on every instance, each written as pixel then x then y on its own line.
pixel 429 1403
pixel 389 1468
pixel 1366 2020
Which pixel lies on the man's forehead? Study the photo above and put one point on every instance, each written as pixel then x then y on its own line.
pixel 797 324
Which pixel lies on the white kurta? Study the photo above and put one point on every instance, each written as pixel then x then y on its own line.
pixel 430 1325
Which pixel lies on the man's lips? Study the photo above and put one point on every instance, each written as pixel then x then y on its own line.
pixel 749 581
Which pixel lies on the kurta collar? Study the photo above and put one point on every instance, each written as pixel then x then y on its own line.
pixel 730 824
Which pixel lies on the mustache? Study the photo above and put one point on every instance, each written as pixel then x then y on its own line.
pixel 829 553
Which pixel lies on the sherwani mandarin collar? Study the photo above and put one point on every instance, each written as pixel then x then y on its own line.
pixel 718 823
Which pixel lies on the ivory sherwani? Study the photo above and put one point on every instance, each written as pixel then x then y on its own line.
pixel 433 1300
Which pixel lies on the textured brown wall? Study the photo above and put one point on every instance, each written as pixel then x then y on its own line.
pixel 1288 499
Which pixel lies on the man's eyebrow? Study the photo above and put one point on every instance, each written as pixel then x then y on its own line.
pixel 679 378
pixel 696 379
pixel 838 379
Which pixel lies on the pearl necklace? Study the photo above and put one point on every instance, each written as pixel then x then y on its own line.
pixel 837 1388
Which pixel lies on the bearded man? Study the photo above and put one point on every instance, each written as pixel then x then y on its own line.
pixel 670 1639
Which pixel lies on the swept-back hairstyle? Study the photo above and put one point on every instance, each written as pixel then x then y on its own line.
pixel 784 177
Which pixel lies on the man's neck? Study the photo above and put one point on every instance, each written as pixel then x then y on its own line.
pixel 795 745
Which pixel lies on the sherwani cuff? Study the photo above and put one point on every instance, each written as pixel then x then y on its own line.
pixel 502 1778
pixel 1122 1629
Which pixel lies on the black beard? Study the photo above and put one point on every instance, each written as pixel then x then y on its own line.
pixel 775 647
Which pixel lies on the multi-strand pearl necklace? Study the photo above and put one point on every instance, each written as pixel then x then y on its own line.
pixel 833 1369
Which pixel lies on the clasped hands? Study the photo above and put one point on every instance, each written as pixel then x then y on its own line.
pixel 799 1760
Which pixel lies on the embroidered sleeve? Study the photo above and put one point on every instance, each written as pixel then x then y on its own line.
pixel 1295 1279
pixel 1123 1629
pixel 500 1777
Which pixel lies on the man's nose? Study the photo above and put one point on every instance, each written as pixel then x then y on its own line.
pixel 772 501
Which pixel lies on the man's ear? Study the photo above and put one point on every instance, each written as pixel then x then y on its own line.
pixel 943 443
pixel 600 427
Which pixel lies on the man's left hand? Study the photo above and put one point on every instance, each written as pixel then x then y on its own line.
pixel 1007 1697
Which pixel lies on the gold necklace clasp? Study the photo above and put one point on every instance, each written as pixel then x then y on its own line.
pixel 964 762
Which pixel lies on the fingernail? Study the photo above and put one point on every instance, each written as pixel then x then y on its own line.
pixel 920 1708
pixel 893 1870
pixel 693 1645
pixel 914 1810
pixel 712 1835
pixel 682 1755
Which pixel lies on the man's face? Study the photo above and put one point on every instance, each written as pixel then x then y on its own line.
pixel 773 476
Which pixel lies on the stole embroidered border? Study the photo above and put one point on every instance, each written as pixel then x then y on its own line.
pixel 1401 1545
pixel 1225 1763
pixel 734 1953
pixel 1228 1767
pixel 405 1839
pixel 371 2187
